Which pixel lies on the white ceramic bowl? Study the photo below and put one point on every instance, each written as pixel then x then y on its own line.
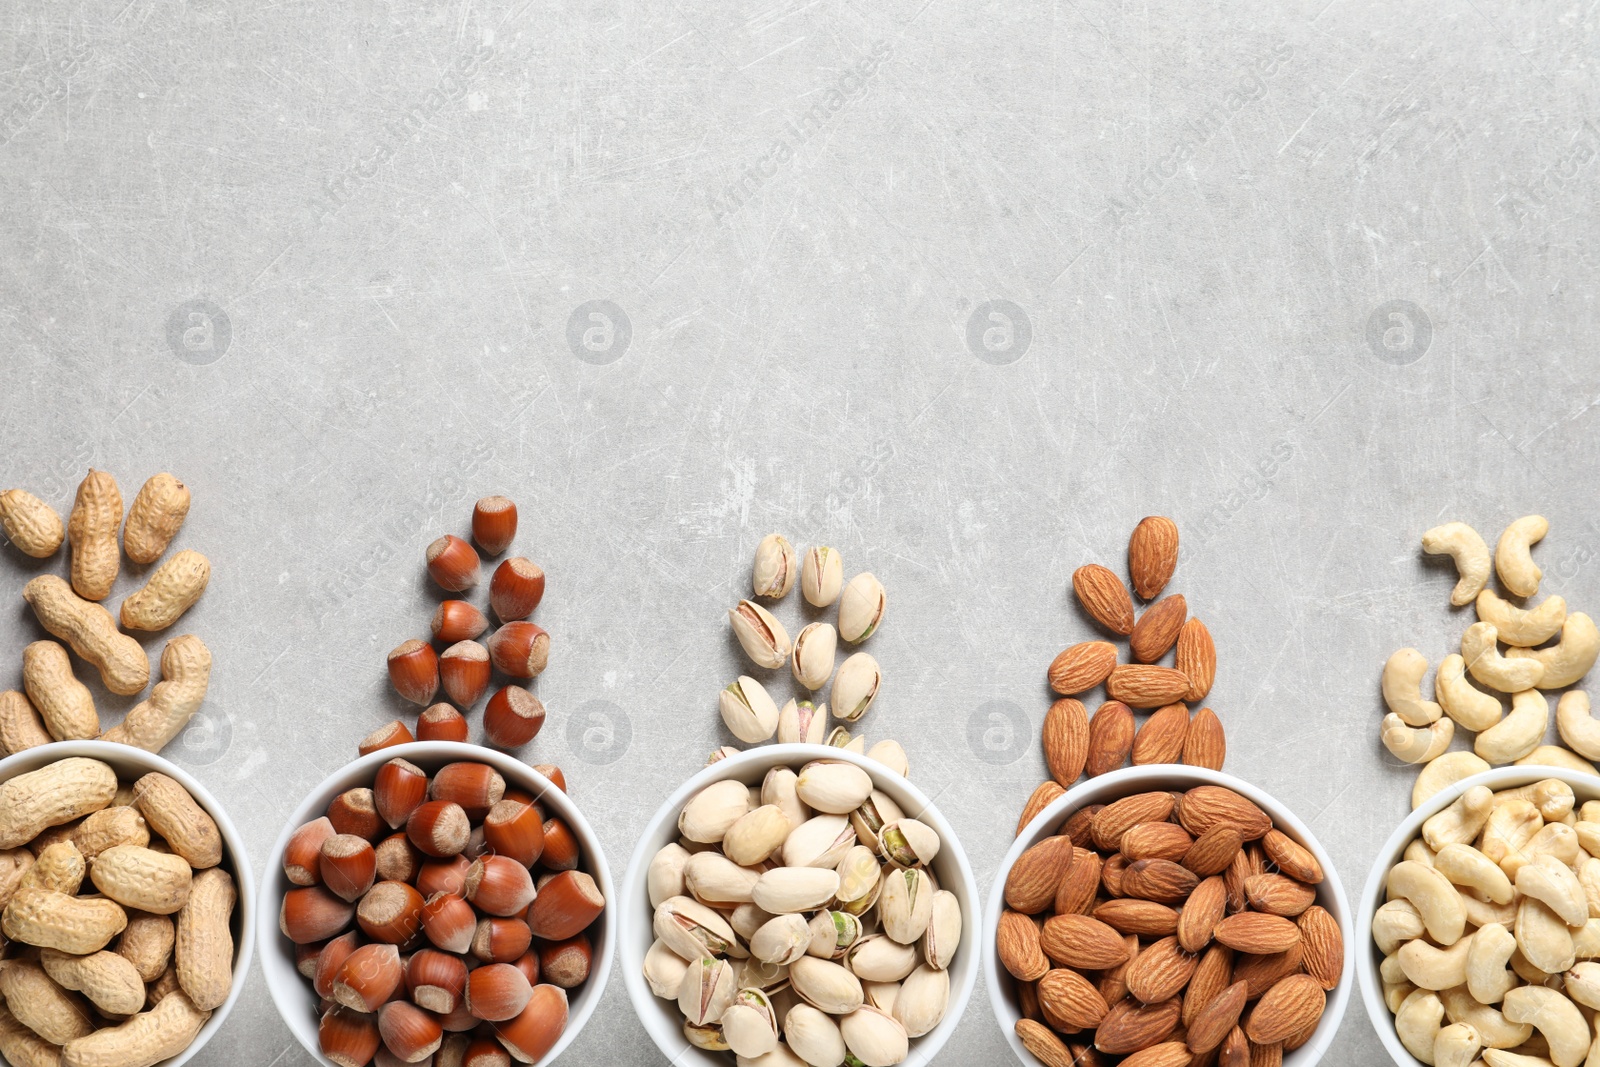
pixel 1127 782
pixel 296 1001
pixel 130 765
pixel 662 1018
pixel 1584 786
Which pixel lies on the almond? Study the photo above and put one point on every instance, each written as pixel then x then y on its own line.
pixel 1118 818
pixel 1292 858
pixel 1201 913
pixel 1197 659
pixel 1206 806
pixel 1205 745
pixel 1166 1054
pixel 1152 555
pixel 1066 740
pixel 1324 947
pixel 1261 973
pixel 1286 1009
pixel 1081 942
pixel 1112 985
pixel 1235 1050
pixel 1156 841
pixel 1266 1055
pixel 1028 1000
pixel 1257 934
pixel 1037 1039
pixel 1212 1023
pixel 1032 883
pixel 1079 824
pixel 1160 880
pixel 1211 977
pixel 1017 943
pixel 1072 999
pixel 1212 851
pixel 1110 738
pixel 1161 738
pixel 1131 1026
pixel 1104 597
pixel 1143 917
pixel 1082 667
pixel 1277 895
pixel 1111 872
pixel 1238 870
pixel 1161 971
pixel 1158 628
pixel 1046 794
pixel 1143 685
pixel 1076 893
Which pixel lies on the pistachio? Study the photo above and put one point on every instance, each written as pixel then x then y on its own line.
pixel 665 874
pixel 802 723
pixel 759 974
pixel 839 737
pixel 821 841
pixel 663 970
pixel 706 991
pixel 892 756
pixel 812 658
pixel 824 985
pixel 746 919
pixel 860 879
pixel 710 812
pixel 778 1057
pixel 906 904
pixel 881 995
pixel 855 686
pixel 748 710
pixel 874 813
pixel 876 1039
pixel 773 575
pixel 749 1025
pixel 861 608
pixel 781 940
pixel 706 1037
pixel 756 836
pixel 923 999
pixel 720 754
pixel 778 789
pixel 762 636
pixel 693 930
pixel 881 959
pixel 909 843
pixel 813 1036
pixel 821 574
pixel 783 890
pixel 943 936
pixel 832 934
pixel 716 881
pixel 833 787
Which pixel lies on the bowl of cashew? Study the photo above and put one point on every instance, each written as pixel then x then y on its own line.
pixel 1479 928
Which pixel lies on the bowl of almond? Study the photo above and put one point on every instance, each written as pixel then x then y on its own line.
pixel 1169 915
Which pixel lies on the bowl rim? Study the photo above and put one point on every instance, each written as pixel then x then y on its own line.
pixel 1127 781
pixel 1410 829
pixel 636 935
pixel 31 759
pixel 293 997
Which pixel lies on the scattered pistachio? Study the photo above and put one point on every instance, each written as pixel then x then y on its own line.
pixel 820 576
pixel 861 608
pixel 855 687
pixel 774 571
pixel 802 722
pixel 812 659
pixel 748 711
pixel 760 634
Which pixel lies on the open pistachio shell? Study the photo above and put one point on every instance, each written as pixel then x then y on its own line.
pixel 748 710
pixel 760 634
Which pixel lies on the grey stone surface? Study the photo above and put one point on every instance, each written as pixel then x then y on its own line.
pixel 964 290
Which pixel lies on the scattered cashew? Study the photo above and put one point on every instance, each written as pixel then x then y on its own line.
pixel 1402 688
pixel 1481 652
pixel 110 982
pixel 1494 1028
pixel 1417 744
pixel 1461 543
pixel 1468 705
pixel 1457 1045
pixel 1543 938
pixel 1434 898
pixel 1556 756
pixel 1395 923
pixel 1512 561
pixel 1488 977
pixel 1523 969
pixel 1582 984
pixel 155 721
pixel 1522 627
pixel 1549 880
pixel 1510 827
pixel 1578 728
pixel 1553 797
pixel 1444 772
pixel 92 633
pixel 1461 822
pixel 1519 733
pixel 1465 865
pixel 1427 967
pixel 1554 1016
pixel 158 1034
pixel 1418 1023
pixel 1568 660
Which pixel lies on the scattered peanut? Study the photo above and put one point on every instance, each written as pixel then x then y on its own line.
pixel 92 530
pixel 171 591
pixel 31 524
pixel 21 727
pixel 91 632
pixel 185 676
pixel 158 510
pixel 64 703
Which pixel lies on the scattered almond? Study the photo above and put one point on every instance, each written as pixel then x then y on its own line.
pixel 1104 597
pixel 1158 628
pixel 1152 555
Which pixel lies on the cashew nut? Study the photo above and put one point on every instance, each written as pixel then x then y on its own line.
pixel 1589 878
pixel 1519 733
pixel 1488 977
pixel 1468 705
pixel 1434 898
pixel 1567 660
pixel 1482 653
pixel 1578 729
pixel 1551 881
pixel 1590 812
pixel 1443 773
pixel 1496 1031
pixel 1461 543
pixel 1481 912
pixel 1417 744
pixel 1457 1045
pixel 1465 865
pixel 1522 627
pixel 1510 827
pixel 1554 1016
pixel 1402 688
pixel 1395 994
pixel 1556 756
pixel 1586 942
pixel 1394 923
pixel 1418 852
pixel 1553 797
pixel 1512 561
pixel 1418 1023
pixel 1543 938
pixel 1497 1058
pixel 1461 822
pixel 1556 839
pixel 1583 984
pixel 1391 970
pixel 1427 967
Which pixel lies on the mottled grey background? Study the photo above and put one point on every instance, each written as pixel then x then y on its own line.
pixel 961 289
